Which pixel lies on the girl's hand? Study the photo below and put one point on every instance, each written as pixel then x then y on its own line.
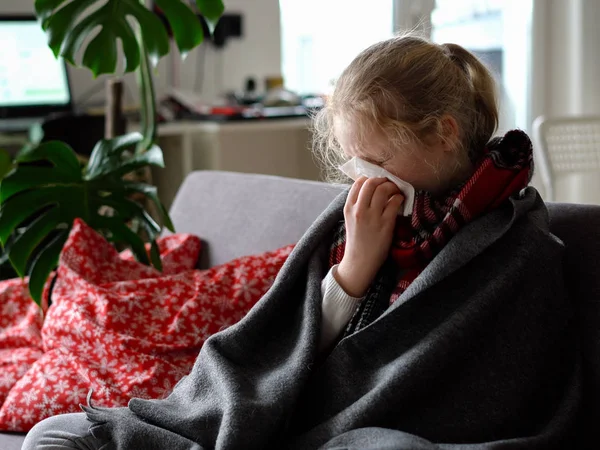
pixel 370 213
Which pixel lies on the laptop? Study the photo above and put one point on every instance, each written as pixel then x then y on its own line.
pixel 33 83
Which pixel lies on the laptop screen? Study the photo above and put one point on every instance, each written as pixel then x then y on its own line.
pixel 30 75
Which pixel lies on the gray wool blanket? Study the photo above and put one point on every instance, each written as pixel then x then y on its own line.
pixel 478 353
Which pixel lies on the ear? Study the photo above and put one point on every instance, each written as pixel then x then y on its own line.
pixel 450 133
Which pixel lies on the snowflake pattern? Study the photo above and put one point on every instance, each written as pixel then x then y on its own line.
pixel 116 326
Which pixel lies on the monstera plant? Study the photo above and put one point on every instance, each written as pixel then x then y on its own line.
pixel 45 187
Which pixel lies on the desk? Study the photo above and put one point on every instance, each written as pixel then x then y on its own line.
pixel 13 142
pixel 272 147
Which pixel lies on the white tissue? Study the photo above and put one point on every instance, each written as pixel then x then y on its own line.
pixel 357 167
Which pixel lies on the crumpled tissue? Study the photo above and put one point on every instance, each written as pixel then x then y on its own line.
pixel 357 167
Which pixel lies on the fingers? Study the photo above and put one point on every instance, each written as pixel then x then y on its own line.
pixel 355 189
pixel 366 192
pixel 393 207
pixel 383 194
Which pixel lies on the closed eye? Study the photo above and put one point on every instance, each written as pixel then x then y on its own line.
pixel 379 162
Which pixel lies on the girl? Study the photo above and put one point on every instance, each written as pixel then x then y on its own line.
pixel 449 328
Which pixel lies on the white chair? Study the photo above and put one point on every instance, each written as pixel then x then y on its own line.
pixel 567 154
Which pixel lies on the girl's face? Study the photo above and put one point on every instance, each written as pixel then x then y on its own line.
pixel 431 168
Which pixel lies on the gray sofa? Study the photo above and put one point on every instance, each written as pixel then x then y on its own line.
pixel 238 214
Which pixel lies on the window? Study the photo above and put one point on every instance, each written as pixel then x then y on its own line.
pixel 321 37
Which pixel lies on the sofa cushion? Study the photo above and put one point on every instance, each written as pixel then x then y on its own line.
pixel 24 354
pixel 20 333
pixel 239 214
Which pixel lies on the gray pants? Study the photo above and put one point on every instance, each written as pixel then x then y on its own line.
pixel 66 431
pixel 70 431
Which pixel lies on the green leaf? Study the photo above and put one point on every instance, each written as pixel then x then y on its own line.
pixel 5 164
pixel 6 269
pixel 45 8
pixel 25 178
pixel 212 10
pixel 152 193
pixel 185 25
pixel 7 245
pixel 37 202
pixel 121 233
pixel 107 158
pixel 129 209
pixel 3 258
pixel 69 28
pixel 149 223
pixel 105 43
pixel 154 34
pixel 152 157
pixel 107 154
pixel 125 188
pixel 23 247
pixel 131 48
pixel 20 207
pixel 75 38
pixel 58 153
pixel 43 265
pixel 59 24
pixel 70 23
pixel 155 256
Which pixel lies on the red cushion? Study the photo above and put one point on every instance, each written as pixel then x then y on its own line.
pixel 20 333
pixel 125 330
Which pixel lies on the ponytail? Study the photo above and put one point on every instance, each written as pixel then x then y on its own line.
pixel 485 119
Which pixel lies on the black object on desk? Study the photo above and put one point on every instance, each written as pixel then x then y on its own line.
pixel 80 131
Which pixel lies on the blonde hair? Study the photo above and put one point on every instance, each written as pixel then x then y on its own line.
pixel 404 87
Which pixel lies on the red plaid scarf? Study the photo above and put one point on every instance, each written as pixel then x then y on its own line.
pixel 505 170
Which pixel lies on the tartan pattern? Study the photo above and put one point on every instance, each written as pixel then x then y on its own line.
pixel 505 170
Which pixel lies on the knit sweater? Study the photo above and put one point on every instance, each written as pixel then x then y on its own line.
pixel 337 310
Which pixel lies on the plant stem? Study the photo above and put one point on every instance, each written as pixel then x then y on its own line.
pixel 147 99
pixel 114 108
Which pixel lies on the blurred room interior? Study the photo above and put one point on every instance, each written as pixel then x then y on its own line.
pixel 242 103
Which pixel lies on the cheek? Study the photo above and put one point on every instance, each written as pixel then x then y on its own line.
pixel 407 168
pixel 415 171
